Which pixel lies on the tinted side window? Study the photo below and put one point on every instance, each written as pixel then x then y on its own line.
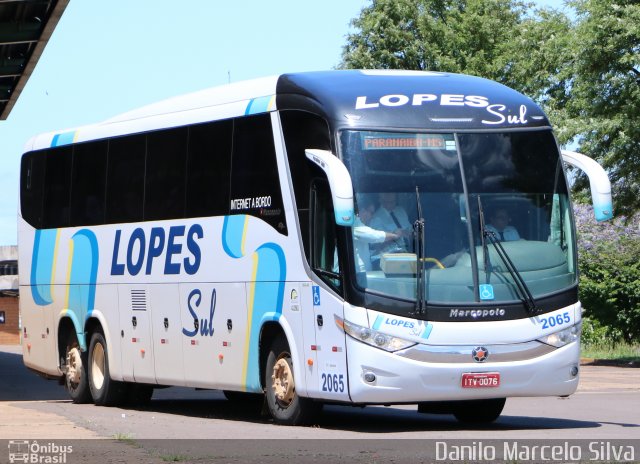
pixel 125 179
pixel 57 188
pixel 303 130
pixel 208 168
pixel 88 183
pixel 255 186
pixel 324 251
pixel 164 182
pixel 31 187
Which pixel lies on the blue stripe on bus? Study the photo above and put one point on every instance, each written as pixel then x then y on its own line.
pixel 259 105
pixel 233 232
pixel 82 279
pixel 42 261
pixel 83 273
pixel 268 296
pixel 65 138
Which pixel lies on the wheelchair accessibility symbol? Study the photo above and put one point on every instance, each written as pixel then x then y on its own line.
pixel 486 292
pixel 316 295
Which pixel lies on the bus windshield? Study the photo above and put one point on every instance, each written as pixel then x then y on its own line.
pixel 510 185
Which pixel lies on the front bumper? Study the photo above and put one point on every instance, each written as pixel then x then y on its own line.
pixel 415 375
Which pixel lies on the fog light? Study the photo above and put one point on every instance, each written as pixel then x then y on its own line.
pixel 369 377
pixel 574 371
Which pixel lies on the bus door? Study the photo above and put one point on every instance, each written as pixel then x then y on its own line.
pixel 329 379
pixel 137 343
pixel 324 343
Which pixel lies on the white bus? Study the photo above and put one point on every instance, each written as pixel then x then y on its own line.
pixel 321 237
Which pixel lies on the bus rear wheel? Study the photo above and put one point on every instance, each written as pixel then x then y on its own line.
pixel 75 377
pixel 104 391
pixel 479 411
pixel 284 404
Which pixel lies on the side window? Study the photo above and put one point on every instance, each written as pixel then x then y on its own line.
pixel 324 248
pixel 57 188
pixel 164 195
pixel 255 186
pixel 208 168
pixel 88 182
pixel 303 130
pixel 31 187
pixel 125 179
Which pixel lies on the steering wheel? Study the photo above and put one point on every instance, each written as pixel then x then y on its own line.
pixel 434 261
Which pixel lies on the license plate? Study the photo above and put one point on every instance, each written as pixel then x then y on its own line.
pixel 481 380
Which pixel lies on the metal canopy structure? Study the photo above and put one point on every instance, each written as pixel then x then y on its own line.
pixel 25 29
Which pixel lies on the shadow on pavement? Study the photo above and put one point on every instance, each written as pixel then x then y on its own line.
pixel 17 383
pixel 366 420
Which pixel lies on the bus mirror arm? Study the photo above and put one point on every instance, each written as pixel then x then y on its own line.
pixel 339 183
pixel 598 182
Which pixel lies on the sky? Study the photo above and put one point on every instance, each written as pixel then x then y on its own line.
pixel 105 58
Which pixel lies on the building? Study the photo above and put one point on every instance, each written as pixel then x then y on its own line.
pixel 25 29
pixel 9 312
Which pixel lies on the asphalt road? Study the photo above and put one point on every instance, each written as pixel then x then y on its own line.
pixel 180 424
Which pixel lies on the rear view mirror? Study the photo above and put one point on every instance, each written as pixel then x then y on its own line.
pixel 339 184
pixel 598 182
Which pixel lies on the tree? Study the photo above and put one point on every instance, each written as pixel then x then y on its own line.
pixel 610 273
pixel 503 40
pixel 467 36
pixel 604 108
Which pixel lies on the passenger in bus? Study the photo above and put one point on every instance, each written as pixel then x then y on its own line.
pixel 390 217
pixel 363 235
pixel 499 225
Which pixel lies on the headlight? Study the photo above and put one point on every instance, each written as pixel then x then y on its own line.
pixel 373 337
pixel 563 337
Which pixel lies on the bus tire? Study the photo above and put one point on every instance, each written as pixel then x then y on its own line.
pixel 104 391
pixel 283 403
pixel 479 411
pixel 75 378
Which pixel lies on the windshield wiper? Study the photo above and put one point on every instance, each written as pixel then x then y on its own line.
pixel 522 286
pixel 418 242
pixel 483 240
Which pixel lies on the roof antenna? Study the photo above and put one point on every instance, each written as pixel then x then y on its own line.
pixel 229 76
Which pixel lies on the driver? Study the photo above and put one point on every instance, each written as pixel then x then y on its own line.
pixel 363 235
pixel 499 225
pixel 393 218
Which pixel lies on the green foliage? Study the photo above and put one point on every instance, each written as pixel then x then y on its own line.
pixel 604 108
pixel 470 36
pixel 610 288
pixel 596 334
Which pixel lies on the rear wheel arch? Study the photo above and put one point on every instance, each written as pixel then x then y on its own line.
pixel 270 331
pixel 66 334
pixel 72 361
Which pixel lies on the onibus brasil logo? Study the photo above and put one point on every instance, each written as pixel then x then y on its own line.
pixel 37 453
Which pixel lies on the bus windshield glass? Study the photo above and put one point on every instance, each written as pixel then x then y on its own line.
pixel 509 185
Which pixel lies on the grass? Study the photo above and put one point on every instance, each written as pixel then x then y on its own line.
pixel 622 352
pixel 173 458
pixel 124 437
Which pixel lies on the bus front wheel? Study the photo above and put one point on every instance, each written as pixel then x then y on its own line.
pixel 104 391
pixel 285 406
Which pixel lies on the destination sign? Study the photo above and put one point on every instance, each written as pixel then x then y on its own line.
pixel 406 142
